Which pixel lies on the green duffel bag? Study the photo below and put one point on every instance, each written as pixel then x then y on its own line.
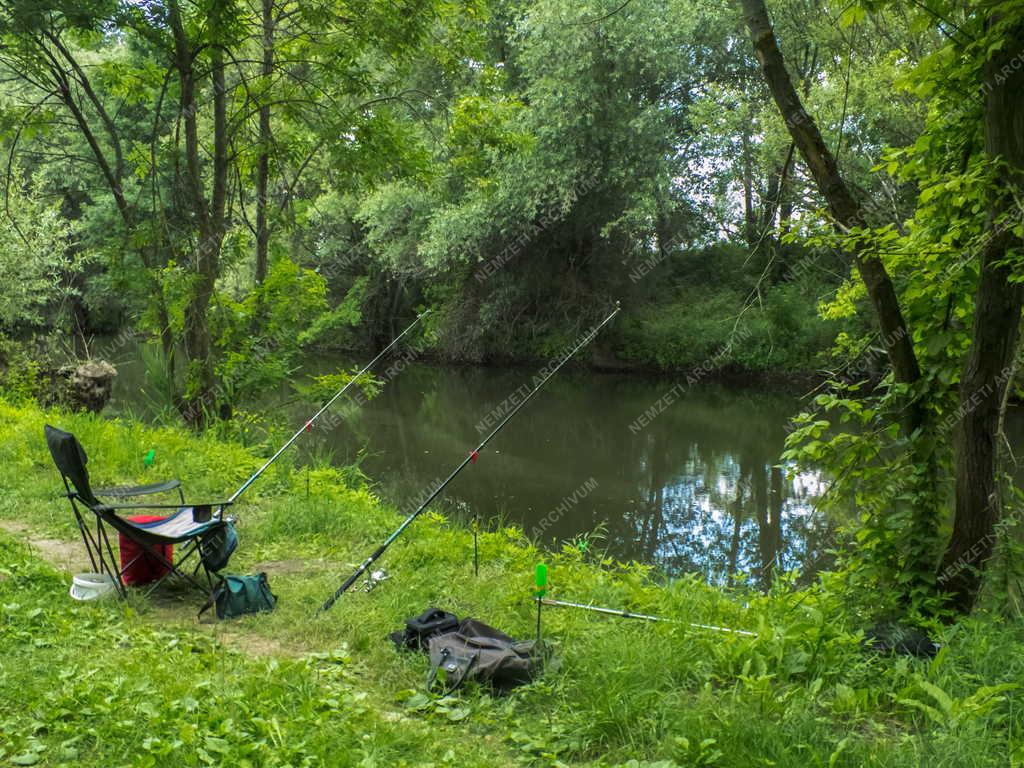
pixel 239 595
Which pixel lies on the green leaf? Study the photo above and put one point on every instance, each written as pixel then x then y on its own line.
pixel 852 15
pixel 833 759
pixel 941 697
pixel 933 714
pixel 417 701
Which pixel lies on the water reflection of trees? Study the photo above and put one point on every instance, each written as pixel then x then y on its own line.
pixel 698 489
pixel 714 498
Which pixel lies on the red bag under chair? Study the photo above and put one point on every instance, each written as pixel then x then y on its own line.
pixel 146 569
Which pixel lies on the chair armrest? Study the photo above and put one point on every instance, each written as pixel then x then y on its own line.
pixel 126 491
pixel 115 507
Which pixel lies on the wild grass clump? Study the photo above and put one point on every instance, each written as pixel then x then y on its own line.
pixel 141 683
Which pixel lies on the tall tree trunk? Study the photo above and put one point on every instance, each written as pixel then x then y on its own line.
pixel 67 75
pixel 663 234
pixel 113 173
pixel 771 208
pixel 997 311
pixel 200 394
pixel 847 213
pixel 86 86
pixel 845 210
pixel 263 163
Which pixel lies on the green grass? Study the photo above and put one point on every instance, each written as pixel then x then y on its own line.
pixel 142 683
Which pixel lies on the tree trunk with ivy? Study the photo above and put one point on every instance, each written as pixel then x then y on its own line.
pixel 997 311
pixel 265 139
pixel 998 300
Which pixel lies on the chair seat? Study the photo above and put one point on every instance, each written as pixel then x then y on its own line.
pixel 178 527
pixel 125 491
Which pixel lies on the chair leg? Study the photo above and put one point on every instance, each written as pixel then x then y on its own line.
pixel 85 538
pixel 211 586
pixel 209 575
pixel 93 546
pixel 82 528
pixel 113 571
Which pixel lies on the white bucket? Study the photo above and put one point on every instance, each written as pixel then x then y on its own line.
pixel 91 586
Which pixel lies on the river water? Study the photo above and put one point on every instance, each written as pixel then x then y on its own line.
pixel 697 486
pixel 691 485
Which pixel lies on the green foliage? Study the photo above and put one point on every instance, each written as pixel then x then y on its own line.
pixel 158 391
pixel 890 484
pixel 483 129
pixel 19 373
pixel 342 318
pixel 321 388
pixel 893 467
pixel 394 218
pixel 36 256
pixel 283 308
pixel 723 317
pixel 420 146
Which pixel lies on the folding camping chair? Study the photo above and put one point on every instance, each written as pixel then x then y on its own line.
pixel 197 526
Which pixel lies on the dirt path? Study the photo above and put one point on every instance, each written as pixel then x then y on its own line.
pixel 169 607
pixel 69 556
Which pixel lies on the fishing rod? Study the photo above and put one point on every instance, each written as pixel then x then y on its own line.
pixel 644 616
pixel 471 458
pixel 309 423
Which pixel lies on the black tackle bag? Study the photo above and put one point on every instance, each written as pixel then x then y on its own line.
pixel 419 629
pixel 482 654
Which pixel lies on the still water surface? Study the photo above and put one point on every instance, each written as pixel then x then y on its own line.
pixel 700 488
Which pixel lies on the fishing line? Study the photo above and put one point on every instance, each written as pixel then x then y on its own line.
pixel 470 459
pixel 308 425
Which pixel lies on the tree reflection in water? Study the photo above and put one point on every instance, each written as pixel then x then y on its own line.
pixel 699 489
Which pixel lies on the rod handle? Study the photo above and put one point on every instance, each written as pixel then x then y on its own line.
pixel 351 580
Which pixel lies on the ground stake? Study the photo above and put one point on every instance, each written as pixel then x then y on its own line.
pixel 540 580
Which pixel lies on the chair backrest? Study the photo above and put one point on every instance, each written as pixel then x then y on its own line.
pixel 70 459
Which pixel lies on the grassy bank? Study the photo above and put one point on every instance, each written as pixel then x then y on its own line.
pixel 142 683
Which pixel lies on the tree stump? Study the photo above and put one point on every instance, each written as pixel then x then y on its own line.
pixel 90 385
pixel 83 387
